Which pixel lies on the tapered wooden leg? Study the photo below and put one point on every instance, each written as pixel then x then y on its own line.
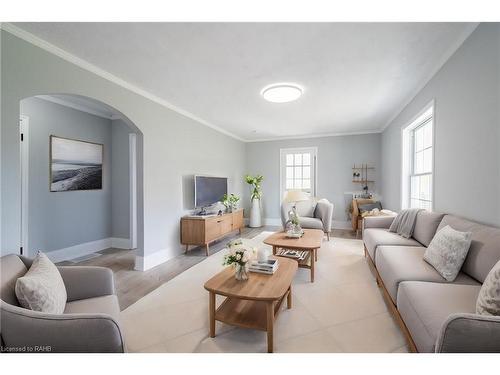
pixel 316 255
pixel 274 250
pixel 206 249
pixel 289 298
pixel 270 326
pixel 211 309
pixel 312 268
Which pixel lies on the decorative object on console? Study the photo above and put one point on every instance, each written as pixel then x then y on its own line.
pixel 230 202
pixel 75 165
pixel 255 211
pixel 292 226
pixel 238 257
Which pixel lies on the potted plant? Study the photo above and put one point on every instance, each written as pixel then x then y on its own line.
pixel 230 202
pixel 238 257
pixel 255 211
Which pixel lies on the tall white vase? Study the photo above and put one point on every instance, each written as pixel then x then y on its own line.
pixel 255 215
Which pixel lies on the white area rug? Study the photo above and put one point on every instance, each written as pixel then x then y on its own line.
pixel 342 311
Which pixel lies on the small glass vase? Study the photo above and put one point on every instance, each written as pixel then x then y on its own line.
pixel 241 272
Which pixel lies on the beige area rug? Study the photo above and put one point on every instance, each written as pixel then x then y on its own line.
pixel 342 311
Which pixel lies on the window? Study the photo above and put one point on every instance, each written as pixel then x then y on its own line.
pixel 298 170
pixel 418 161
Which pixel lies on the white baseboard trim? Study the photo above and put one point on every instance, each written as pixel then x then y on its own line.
pixel 337 224
pixel 79 250
pixel 152 260
pixel 120 243
pixel 86 248
pixel 266 221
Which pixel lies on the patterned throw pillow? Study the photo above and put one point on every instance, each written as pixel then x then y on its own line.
pixel 488 300
pixel 42 287
pixel 447 251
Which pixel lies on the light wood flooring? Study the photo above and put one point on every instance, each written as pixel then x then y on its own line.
pixel 132 285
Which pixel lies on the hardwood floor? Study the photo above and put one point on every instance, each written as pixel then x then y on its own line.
pixel 132 285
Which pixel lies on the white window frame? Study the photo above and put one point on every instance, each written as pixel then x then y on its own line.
pixel 314 166
pixel 428 112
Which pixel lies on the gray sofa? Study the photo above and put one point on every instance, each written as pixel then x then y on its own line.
pixel 435 315
pixel 312 214
pixel 90 322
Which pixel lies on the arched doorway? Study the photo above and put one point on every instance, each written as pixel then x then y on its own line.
pixel 81 173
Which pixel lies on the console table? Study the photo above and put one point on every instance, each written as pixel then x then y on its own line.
pixel 202 230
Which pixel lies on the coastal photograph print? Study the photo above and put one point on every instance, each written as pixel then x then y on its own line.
pixel 75 165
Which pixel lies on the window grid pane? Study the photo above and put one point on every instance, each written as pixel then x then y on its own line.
pixel 298 172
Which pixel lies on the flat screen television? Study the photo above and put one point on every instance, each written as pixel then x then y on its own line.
pixel 208 190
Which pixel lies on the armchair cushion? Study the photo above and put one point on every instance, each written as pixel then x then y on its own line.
pixel 11 268
pixel 98 305
pixel 87 282
pixel 42 288
pixel 310 223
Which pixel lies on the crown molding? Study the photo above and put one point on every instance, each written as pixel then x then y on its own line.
pixel 78 107
pixel 49 47
pixel 444 59
pixel 321 135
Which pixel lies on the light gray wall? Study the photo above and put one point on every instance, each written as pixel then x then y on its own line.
pixel 336 157
pixel 61 219
pixel 174 146
pixel 120 180
pixel 467 126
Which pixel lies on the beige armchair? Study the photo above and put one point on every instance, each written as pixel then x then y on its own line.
pixel 90 322
pixel 313 214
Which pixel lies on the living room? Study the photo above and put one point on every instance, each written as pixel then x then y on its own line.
pixel 251 187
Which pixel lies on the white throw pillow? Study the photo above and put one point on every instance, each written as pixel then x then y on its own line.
pixel 42 287
pixel 488 300
pixel 447 251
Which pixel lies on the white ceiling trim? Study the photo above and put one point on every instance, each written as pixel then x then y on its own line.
pixel 66 103
pixel 449 52
pixel 43 44
pixel 322 135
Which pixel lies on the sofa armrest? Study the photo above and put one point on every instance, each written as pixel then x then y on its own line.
pixel 87 282
pixel 324 211
pixel 377 222
pixel 469 333
pixel 70 333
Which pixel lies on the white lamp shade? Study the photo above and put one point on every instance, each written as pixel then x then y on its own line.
pixel 295 196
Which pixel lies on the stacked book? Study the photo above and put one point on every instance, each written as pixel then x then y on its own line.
pixel 268 267
pixel 294 254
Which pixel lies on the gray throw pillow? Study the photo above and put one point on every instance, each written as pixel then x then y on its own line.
pixel 447 251
pixel 488 300
pixel 42 287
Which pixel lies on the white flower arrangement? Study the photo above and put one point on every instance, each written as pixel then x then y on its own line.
pixel 238 254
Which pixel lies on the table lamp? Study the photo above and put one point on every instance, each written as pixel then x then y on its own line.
pixel 294 196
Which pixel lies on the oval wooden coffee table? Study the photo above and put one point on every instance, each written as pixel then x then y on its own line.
pixel 254 303
pixel 310 242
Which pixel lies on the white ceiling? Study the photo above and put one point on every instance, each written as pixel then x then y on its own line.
pixel 356 76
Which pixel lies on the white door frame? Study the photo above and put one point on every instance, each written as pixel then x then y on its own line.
pixel 314 151
pixel 24 150
pixel 133 190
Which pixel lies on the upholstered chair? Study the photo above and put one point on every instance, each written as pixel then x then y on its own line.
pixel 313 214
pixel 90 322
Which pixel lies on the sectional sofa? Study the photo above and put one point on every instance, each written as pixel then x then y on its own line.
pixel 435 315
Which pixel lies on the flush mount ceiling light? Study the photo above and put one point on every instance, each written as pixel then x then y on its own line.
pixel 281 92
